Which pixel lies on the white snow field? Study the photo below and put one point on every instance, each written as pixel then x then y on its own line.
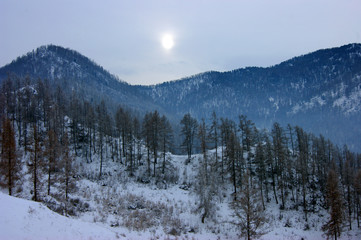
pixel 24 219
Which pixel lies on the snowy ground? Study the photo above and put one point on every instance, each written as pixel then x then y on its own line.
pixel 119 207
pixel 24 219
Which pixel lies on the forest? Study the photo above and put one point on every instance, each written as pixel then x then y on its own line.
pixel 46 134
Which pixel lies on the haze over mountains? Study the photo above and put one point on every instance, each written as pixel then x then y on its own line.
pixel 320 91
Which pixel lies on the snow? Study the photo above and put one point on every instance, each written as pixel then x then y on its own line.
pixel 115 201
pixel 350 104
pixel 24 219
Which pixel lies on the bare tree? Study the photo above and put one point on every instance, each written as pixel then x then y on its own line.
pixel 248 210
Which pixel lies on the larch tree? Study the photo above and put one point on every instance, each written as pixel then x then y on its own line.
pixel 261 169
pixel 189 130
pixel 280 155
pixel 67 166
pixel 9 165
pixel 248 210
pixel 202 135
pixel 155 136
pixel 101 116
pixel 52 151
pixel 302 165
pixel 334 199
pixel 147 132
pixel 206 190
pixel 213 134
pixel 348 183
pixel 36 162
pixel 232 146
pixel 357 186
pixel 166 138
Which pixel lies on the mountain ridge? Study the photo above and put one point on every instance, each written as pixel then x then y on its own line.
pixel 318 90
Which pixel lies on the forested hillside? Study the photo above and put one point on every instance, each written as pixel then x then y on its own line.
pixel 116 168
pixel 317 91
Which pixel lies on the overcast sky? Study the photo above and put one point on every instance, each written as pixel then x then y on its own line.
pixel 125 36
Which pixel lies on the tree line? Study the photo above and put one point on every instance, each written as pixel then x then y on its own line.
pixel 48 124
pixel 295 168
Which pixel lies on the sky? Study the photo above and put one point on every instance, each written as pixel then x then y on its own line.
pixel 125 36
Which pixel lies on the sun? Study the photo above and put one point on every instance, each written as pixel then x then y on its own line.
pixel 167 41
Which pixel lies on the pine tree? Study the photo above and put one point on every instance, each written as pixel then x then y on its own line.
pixel 334 226
pixel 9 165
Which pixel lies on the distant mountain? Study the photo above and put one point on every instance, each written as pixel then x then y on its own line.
pixel 73 71
pixel 320 91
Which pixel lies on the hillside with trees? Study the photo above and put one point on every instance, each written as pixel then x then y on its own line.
pixel 117 168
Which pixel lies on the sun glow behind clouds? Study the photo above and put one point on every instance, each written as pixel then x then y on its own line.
pixel 167 41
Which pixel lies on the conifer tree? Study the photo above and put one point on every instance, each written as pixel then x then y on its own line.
pixel 36 162
pixel 51 153
pixel 334 199
pixel 248 209
pixel 166 138
pixel 213 134
pixel 357 186
pixel 347 181
pixel 206 188
pixel 261 168
pixel 68 168
pixel 202 134
pixel 9 165
pixel 189 130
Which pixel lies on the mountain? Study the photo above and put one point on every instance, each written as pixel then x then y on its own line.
pixel 73 71
pixel 320 91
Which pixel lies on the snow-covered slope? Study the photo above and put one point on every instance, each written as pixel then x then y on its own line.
pixel 120 208
pixel 24 219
